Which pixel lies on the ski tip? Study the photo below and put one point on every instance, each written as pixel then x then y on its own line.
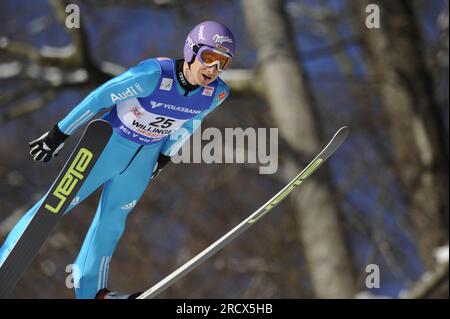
pixel 101 125
pixel 99 122
pixel 342 132
pixel 340 136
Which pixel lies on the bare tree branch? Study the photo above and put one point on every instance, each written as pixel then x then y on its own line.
pixel 27 107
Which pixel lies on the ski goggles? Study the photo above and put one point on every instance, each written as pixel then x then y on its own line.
pixel 209 56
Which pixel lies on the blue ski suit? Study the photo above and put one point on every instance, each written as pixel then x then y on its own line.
pixel 150 115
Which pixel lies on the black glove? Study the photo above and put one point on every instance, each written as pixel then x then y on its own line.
pixel 160 163
pixel 48 145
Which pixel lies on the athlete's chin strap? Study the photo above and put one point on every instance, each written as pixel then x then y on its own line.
pixel 182 80
pixel 195 49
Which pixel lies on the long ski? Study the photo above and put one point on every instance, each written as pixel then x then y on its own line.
pixel 337 140
pixel 61 194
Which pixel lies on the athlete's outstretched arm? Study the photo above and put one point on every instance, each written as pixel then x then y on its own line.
pixel 138 81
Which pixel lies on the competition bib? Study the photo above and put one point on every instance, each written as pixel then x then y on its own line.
pixel 139 121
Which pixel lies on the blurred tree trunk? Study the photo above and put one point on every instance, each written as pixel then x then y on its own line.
pixel 293 107
pixel 396 57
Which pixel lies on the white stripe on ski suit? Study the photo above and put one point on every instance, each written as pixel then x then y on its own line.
pixel 85 117
pixel 103 272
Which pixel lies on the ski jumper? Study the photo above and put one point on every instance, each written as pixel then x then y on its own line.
pixel 149 115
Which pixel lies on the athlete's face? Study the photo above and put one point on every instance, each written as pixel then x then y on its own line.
pixel 201 74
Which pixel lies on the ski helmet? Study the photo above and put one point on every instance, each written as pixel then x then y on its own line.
pixel 209 33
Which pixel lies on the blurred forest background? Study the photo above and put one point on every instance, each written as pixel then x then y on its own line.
pixel 304 66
